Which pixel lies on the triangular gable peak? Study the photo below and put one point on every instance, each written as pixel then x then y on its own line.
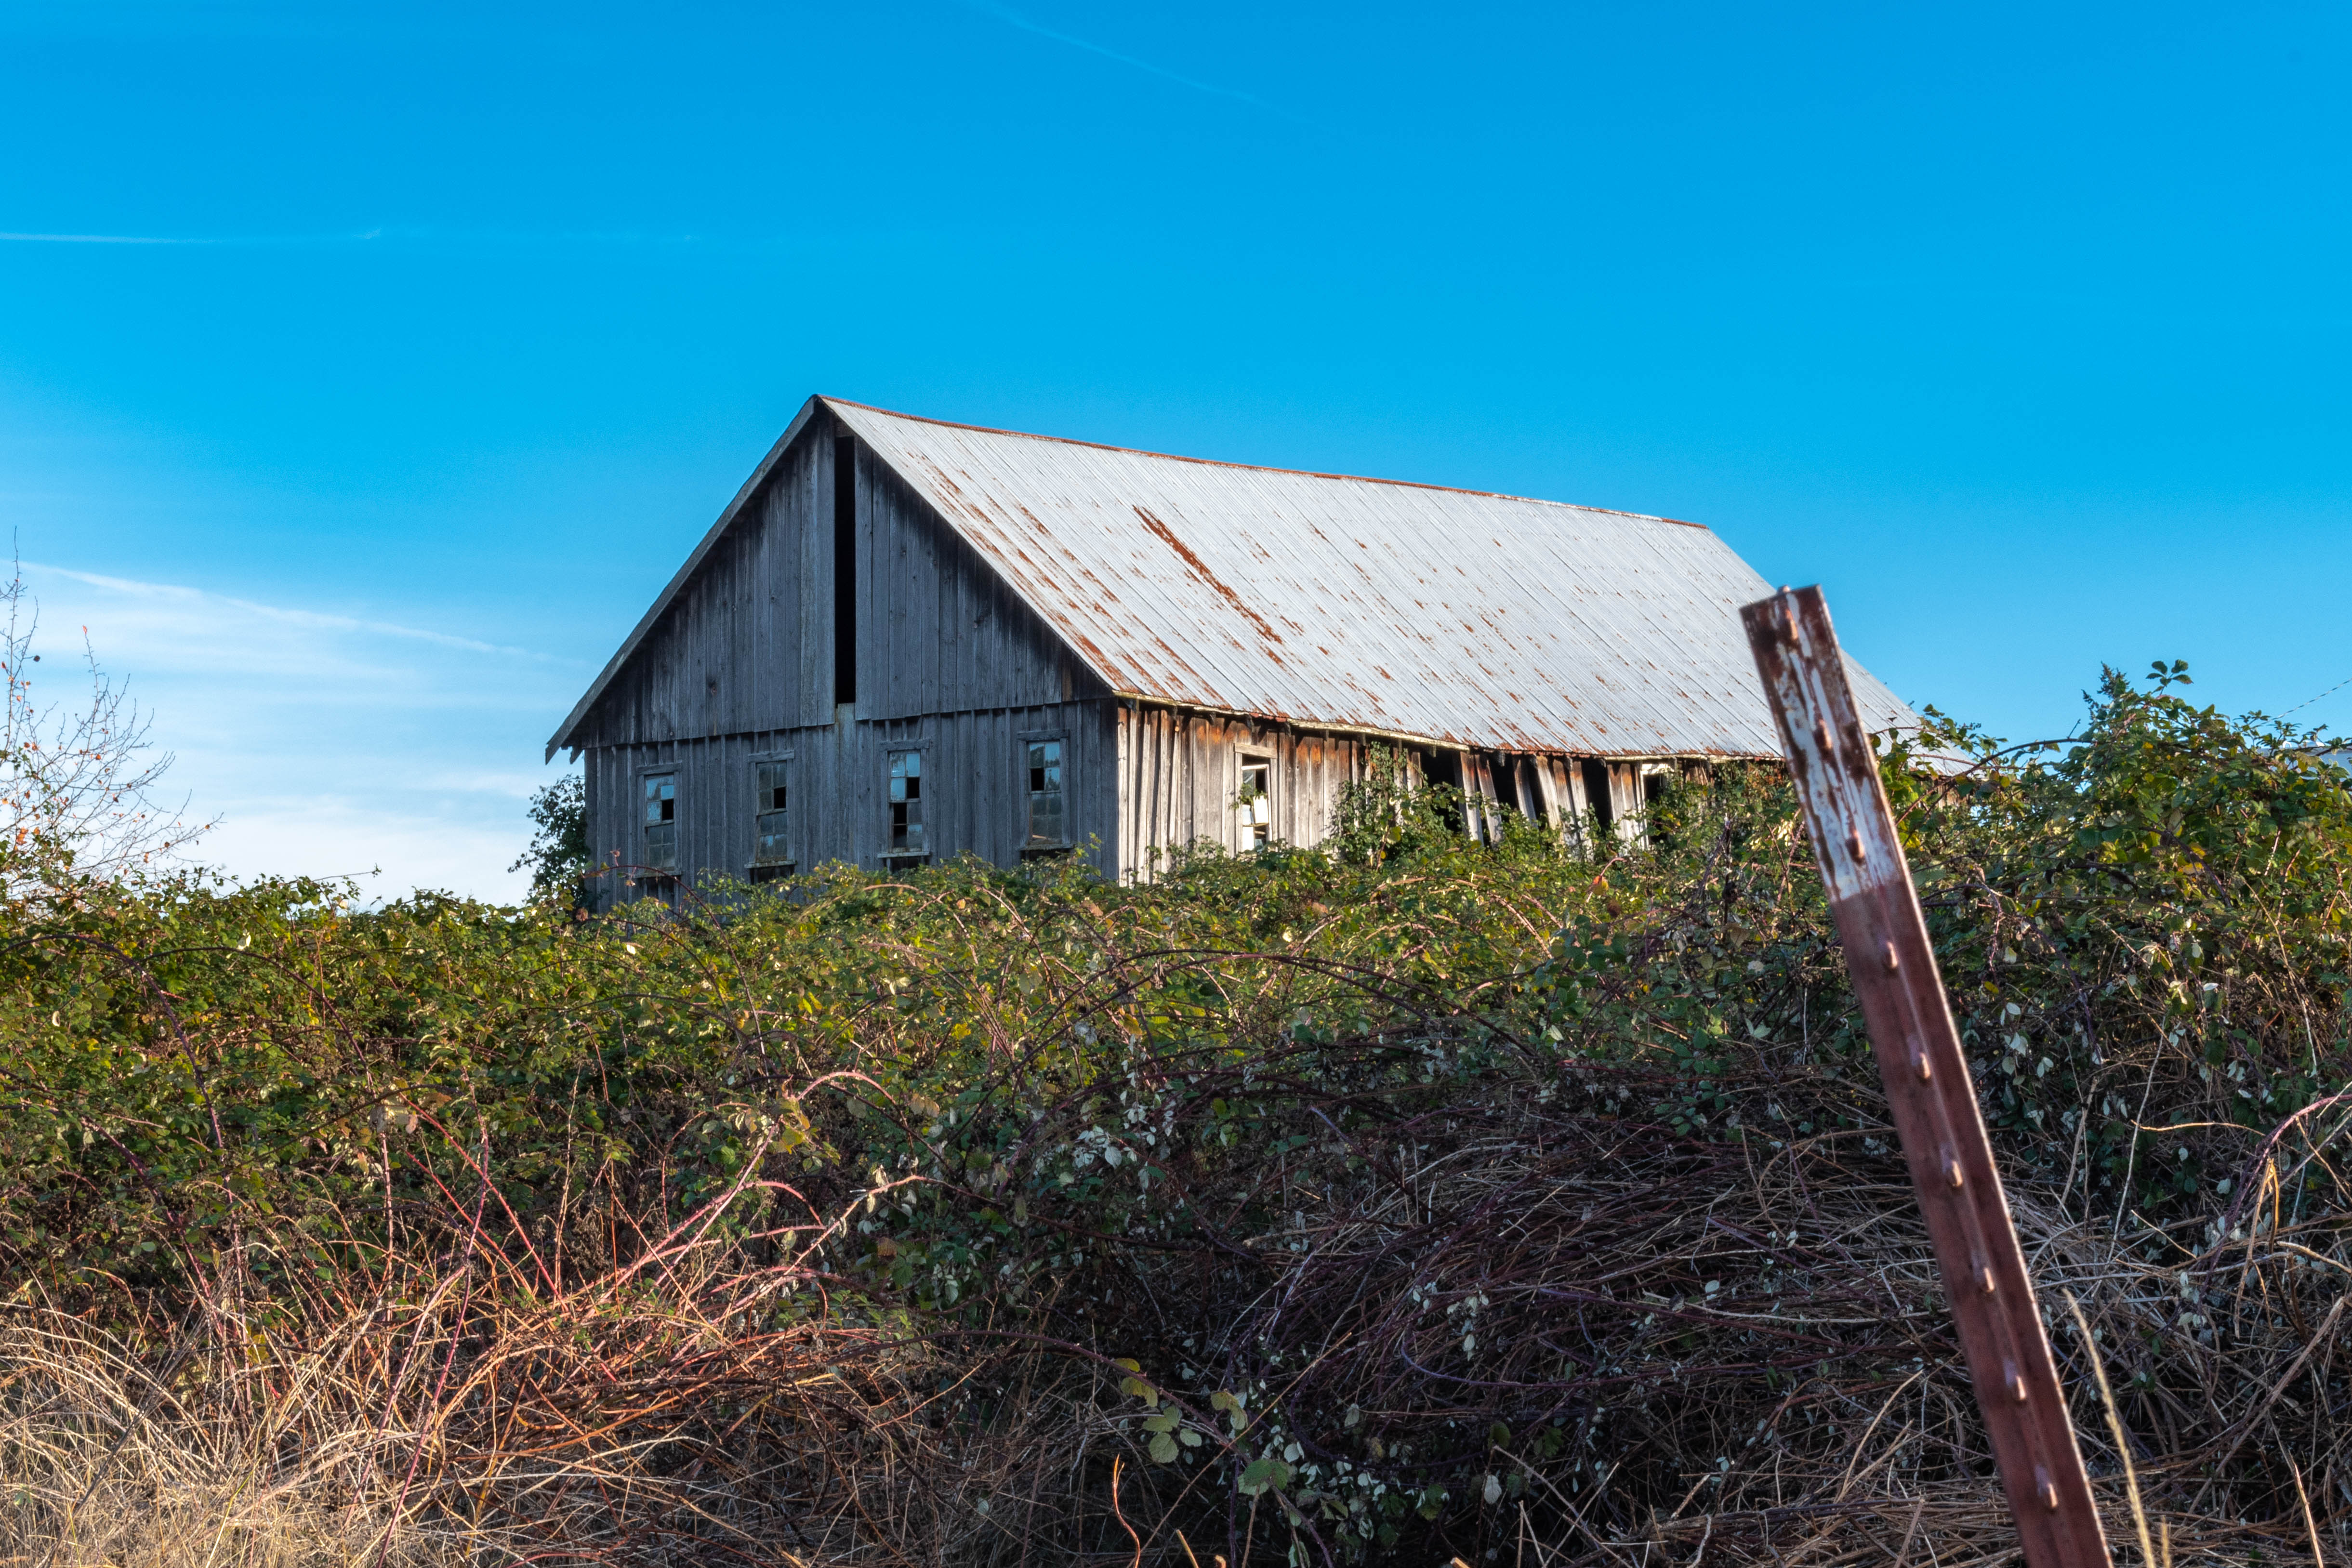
pixel 652 619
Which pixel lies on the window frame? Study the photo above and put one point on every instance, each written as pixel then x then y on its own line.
pixel 1257 827
pixel 645 779
pixel 756 867
pixel 651 880
pixel 1032 848
pixel 894 857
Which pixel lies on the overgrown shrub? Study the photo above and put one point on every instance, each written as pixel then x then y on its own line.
pixel 557 856
pixel 1408 1198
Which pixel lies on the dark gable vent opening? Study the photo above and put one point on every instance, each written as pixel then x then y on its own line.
pixel 844 569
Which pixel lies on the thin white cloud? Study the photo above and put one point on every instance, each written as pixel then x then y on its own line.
pixel 175 593
pixel 514 785
pixel 388 853
pixel 324 743
pixel 388 235
pixel 1013 18
pixel 20 237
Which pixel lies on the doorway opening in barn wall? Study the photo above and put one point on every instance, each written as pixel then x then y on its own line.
pixel 1458 771
pixel 1596 797
pixel 771 853
pixel 1255 801
pixel 906 846
pixel 1048 827
pixel 1657 778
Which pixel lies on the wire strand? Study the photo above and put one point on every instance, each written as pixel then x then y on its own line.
pixel 2330 692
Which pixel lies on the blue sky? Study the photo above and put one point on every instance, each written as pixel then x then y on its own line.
pixel 364 370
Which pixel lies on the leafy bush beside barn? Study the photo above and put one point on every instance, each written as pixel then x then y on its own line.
pixel 1404 1198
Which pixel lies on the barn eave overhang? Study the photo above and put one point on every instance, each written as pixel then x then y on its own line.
pixel 1439 742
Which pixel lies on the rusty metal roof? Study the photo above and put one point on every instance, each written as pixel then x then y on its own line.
pixel 1368 604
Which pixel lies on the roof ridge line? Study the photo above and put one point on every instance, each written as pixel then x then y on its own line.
pixel 1258 467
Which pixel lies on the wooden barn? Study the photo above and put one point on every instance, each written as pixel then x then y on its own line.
pixel 907 638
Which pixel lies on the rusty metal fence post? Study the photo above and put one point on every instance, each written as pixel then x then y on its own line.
pixel 1934 1105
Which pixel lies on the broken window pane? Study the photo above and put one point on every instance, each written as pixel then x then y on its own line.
pixel 661 821
pixel 906 802
pixel 1045 795
pixel 769 802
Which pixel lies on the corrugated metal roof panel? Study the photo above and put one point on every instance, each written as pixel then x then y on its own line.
pixel 1482 620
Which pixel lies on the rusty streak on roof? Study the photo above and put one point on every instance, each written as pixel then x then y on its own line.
pixel 1460 616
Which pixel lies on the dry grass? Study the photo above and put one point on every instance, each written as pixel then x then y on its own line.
pixel 1746 1350
pixel 654 1424
pixel 104 1463
pixel 1806 1411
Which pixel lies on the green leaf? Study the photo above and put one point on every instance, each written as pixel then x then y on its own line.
pixel 1262 1475
pixel 1164 1449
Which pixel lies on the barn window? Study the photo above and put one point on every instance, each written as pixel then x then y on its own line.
pixel 771 852
pixel 1255 803
pixel 661 821
pixel 1046 830
pixel 906 843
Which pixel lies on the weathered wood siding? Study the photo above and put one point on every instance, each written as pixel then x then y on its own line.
pixel 938 632
pixel 1180 775
pixel 741 670
pixel 975 788
pixel 747 646
pixel 744 649
pixel 1180 780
